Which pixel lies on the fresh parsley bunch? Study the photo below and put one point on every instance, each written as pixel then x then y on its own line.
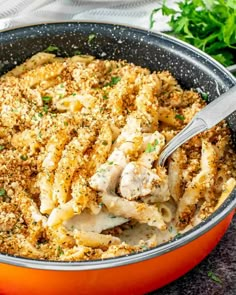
pixel 209 25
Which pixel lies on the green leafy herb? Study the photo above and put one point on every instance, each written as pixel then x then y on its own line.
pixel 214 277
pixel 47 99
pixel 24 157
pixel 170 229
pixel 2 147
pixel 104 142
pixel 91 38
pixel 2 192
pixel 52 48
pixel 105 97
pixel 151 147
pixel 144 247
pixel 206 24
pixel 180 117
pixel 114 81
pixel 60 251
pixel 204 96
pixel 77 52
pixel 40 115
pixel 178 235
pixel 45 109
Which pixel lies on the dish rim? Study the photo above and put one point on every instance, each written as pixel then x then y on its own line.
pixel 223 211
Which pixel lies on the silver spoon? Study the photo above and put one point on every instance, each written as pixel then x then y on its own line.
pixel 213 113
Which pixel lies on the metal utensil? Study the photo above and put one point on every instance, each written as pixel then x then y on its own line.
pixel 213 113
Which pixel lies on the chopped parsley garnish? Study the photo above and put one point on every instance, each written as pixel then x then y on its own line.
pixel 204 96
pixel 77 52
pixel 66 123
pixel 24 157
pixel 60 251
pixel 144 247
pixel 151 147
pixel 52 48
pixel 170 229
pixel 105 96
pixel 100 204
pixel 180 117
pixel 40 115
pixel 47 99
pixel 73 94
pixel 114 81
pixel 178 235
pixel 214 277
pixel 2 192
pixel 91 38
pixel 45 109
pixel 104 142
pixel 2 147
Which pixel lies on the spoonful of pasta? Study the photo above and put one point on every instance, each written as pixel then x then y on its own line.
pixel 212 114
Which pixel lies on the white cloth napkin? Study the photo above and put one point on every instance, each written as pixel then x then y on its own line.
pixel 133 12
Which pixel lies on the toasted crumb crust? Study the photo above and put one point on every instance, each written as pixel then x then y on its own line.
pixel 59 119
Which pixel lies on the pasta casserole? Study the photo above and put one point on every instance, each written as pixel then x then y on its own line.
pixel 79 143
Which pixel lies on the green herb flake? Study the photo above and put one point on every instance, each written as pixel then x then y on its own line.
pixel 214 277
pixel 91 38
pixel 2 147
pixel 170 229
pixel 104 142
pixel 105 97
pixel 151 147
pixel 47 99
pixel 77 52
pixel 73 94
pixel 2 192
pixel 180 117
pixel 114 81
pixel 45 109
pixel 24 157
pixel 204 96
pixel 60 251
pixel 66 123
pixel 52 48
pixel 144 247
pixel 179 235
pixel 100 204
pixel 40 115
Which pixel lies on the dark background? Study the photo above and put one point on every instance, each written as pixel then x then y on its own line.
pixel 221 261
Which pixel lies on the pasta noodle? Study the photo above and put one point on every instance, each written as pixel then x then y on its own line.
pixel 79 145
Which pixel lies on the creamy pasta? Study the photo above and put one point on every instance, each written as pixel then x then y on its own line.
pixel 79 143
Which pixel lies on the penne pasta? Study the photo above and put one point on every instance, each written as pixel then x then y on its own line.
pixel 69 162
pixel 79 145
pixel 131 209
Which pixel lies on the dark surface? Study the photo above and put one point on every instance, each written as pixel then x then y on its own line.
pixel 221 261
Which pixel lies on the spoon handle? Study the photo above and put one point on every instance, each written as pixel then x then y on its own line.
pixel 208 117
pixel 218 109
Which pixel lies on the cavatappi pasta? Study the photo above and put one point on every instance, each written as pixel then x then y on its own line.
pixel 79 143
